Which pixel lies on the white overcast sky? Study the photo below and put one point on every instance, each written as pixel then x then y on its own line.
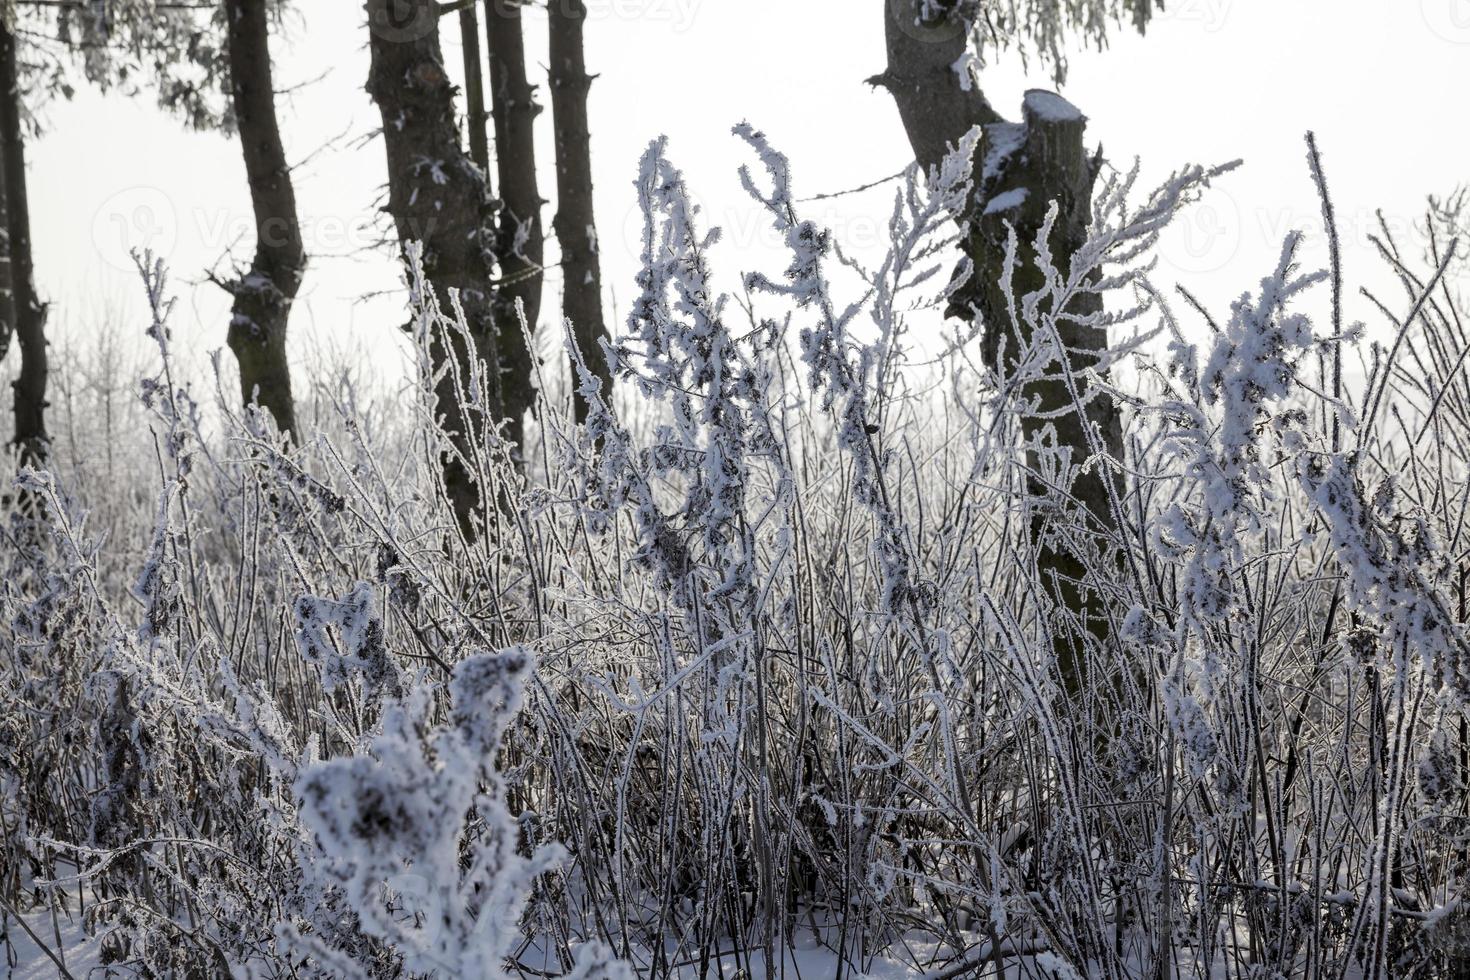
pixel 1212 81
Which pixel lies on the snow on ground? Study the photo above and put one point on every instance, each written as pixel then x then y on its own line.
pixel 810 957
pixel 22 958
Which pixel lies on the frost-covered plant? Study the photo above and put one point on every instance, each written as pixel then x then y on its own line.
pixel 1040 29
pixel 678 349
pixel 164 788
pixel 794 680
pixel 442 889
pixel 1043 28
pixel 176 50
pixel 1392 566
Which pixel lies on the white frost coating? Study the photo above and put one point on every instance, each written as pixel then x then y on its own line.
pixel 967 66
pixel 801 618
pixel 445 893
pixel 1001 141
pixel 363 652
pixel 1246 383
pixel 434 168
pixel 1008 201
pixel 1050 107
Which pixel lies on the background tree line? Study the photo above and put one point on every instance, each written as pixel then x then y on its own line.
pixel 1150 680
pixel 464 198
pixel 210 64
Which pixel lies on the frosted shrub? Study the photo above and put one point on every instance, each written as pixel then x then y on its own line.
pixel 777 671
pixel 1240 394
pixel 177 791
pixel 364 652
pixel 446 897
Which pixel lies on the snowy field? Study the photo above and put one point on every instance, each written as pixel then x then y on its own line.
pixel 948 588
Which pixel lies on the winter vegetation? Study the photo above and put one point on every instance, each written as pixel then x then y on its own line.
pixel 1124 637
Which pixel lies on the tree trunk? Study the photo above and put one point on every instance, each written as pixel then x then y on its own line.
pixel 923 50
pixel 1048 162
pixel 474 90
pixel 7 307
pixel 436 196
pixel 263 298
pixel 575 228
pixel 29 311
pixel 520 242
pixel 1021 168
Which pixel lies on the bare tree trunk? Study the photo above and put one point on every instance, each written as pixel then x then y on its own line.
pixel 7 300
pixel 936 110
pixel 263 298
pixel 436 196
pixel 1050 164
pixel 29 311
pixel 576 231
pixel 520 242
pixel 1040 160
pixel 474 90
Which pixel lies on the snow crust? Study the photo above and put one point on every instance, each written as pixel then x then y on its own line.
pixel 1050 107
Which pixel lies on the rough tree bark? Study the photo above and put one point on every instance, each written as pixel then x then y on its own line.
pixel 1030 165
pixel 1020 169
pixel 474 90
pixel 7 311
pixel 575 228
pixel 936 110
pixel 436 196
pixel 263 297
pixel 29 312
pixel 520 241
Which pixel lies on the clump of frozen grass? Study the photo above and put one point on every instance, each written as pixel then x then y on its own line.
pixel 442 891
pixel 1239 396
pixel 774 661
